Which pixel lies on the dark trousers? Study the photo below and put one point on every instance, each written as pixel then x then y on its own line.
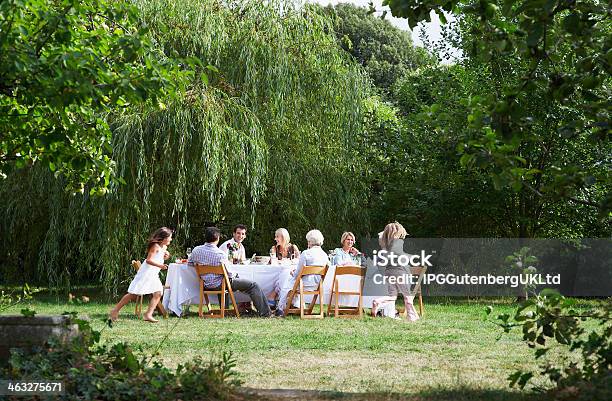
pixel 252 289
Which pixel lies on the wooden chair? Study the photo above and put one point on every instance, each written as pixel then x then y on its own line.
pixel 298 289
pixel 416 290
pixel 139 298
pixel 226 287
pixel 138 310
pixel 351 311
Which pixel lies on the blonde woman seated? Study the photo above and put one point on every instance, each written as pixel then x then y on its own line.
pixel 283 248
pixel 392 240
pixel 313 256
pixel 348 254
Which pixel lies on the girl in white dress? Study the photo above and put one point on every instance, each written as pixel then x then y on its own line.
pixel 147 279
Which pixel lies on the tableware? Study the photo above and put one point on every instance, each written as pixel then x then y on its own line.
pixel 264 260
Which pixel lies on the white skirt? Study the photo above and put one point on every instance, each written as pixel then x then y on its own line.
pixel 146 281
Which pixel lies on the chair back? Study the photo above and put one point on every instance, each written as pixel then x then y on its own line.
pixel 318 270
pixel 298 288
pixel 226 287
pixel 417 270
pixel 136 264
pixel 352 270
pixel 207 269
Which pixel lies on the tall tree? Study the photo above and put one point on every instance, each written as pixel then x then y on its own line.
pixel 264 133
pixel 442 196
pixel 63 64
pixel 561 51
pixel 385 51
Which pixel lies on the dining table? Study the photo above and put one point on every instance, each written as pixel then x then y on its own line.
pixel 182 286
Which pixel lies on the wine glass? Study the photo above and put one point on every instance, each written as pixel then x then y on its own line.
pixel 272 256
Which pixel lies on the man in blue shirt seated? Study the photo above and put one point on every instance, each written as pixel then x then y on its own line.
pixel 209 254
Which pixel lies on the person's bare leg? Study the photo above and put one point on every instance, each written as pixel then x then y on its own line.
pixel 148 316
pixel 127 298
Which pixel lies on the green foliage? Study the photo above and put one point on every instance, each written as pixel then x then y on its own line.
pixel 281 63
pixel 27 312
pixel 120 372
pixel 523 262
pixel 278 126
pixel 385 52
pixel 422 182
pixel 63 64
pixel 471 191
pixel 9 299
pixel 270 141
pixel 551 318
pixel 553 54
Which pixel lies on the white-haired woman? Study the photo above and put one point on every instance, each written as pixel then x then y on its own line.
pixel 283 248
pixel 313 256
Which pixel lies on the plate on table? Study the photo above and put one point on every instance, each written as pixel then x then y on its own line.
pixel 261 260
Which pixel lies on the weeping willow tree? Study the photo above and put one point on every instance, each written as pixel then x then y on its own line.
pixel 284 64
pixel 266 139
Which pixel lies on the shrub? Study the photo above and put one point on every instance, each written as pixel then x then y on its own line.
pixel 583 373
pixel 120 372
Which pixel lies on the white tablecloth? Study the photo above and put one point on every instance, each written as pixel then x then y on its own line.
pixel 183 286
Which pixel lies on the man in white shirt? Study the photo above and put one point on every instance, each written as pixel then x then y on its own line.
pixel 313 256
pixel 236 243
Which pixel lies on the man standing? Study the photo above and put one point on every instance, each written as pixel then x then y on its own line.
pixel 209 254
pixel 236 243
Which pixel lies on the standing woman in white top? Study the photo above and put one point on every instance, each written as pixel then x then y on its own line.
pixel 147 279
pixel 392 240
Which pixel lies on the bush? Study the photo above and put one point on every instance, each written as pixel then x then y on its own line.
pixel 583 373
pixel 120 372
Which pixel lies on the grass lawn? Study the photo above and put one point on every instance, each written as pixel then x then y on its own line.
pixel 452 353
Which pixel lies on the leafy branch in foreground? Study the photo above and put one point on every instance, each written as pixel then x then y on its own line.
pixel 8 300
pixel 550 319
pixel 63 66
pixel 559 50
